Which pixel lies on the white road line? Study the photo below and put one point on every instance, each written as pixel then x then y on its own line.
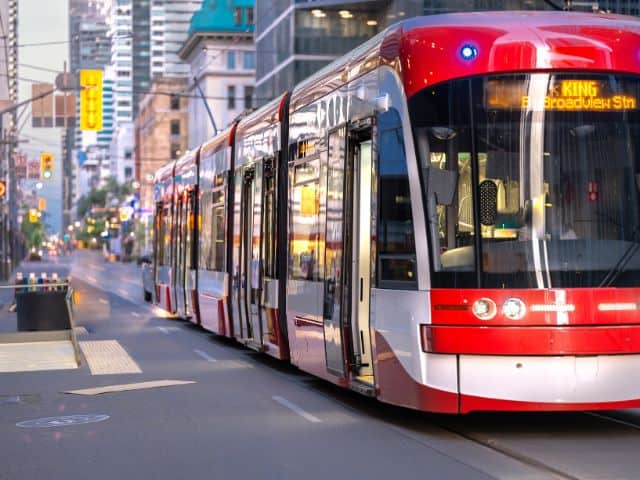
pixel 168 330
pixel 123 291
pixel 295 408
pixel 135 314
pixel 204 355
pixel 102 300
pixel 91 279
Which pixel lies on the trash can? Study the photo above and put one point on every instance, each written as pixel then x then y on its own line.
pixel 43 310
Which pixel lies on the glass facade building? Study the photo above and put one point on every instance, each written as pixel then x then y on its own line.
pixel 141 50
pixel 295 38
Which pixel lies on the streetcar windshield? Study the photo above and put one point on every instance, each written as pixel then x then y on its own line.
pixel 531 181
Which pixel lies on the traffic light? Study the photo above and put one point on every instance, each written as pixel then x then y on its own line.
pixel 33 215
pixel 42 204
pixel 91 100
pixel 46 165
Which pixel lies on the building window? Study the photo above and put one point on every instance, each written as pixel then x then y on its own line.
pixel 231 97
pixel 248 98
pixel 249 15
pixel 127 154
pixel 127 172
pixel 175 151
pixel 237 16
pixel 175 102
pixel 249 60
pixel 175 127
pixel 231 60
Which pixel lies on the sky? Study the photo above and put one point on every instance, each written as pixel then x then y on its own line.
pixel 43 22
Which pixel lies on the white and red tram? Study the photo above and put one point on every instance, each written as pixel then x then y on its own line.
pixel 447 218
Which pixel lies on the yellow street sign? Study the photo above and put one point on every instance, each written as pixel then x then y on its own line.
pixel 91 100
pixel 3 188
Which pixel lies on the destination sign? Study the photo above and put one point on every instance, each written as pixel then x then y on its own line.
pixel 565 95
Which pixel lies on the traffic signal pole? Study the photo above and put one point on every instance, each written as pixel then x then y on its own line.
pixel 9 236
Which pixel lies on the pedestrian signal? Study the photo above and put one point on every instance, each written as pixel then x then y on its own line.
pixel 91 100
pixel 33 215
pixel 46 165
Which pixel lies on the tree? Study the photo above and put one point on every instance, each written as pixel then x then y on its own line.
pixel 33 233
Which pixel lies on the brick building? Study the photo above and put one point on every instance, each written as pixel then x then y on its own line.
pixel 161 132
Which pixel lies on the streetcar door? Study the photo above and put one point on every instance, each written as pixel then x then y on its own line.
pixel 189 257
pixel 180 257
pixel 246 270
pixel 254 258
pixel 334 254
pixel 361 156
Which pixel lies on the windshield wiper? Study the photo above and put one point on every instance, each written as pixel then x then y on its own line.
pixel 629 253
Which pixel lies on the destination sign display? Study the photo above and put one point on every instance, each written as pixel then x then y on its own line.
pixel 565 95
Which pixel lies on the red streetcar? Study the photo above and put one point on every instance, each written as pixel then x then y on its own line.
pixel 447 218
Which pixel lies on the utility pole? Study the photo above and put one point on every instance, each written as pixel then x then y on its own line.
pixel 206 105
pixel 9 234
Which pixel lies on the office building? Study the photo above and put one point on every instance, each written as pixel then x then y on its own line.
pixel 170 21
pixel 221 55
pixel 160 132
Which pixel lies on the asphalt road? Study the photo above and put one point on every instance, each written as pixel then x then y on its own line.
pixel 249 416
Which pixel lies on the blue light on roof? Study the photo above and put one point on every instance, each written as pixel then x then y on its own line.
pixel 468 52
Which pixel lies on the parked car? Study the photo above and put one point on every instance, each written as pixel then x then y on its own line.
pixel 35 255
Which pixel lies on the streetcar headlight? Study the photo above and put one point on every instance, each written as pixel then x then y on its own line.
pixel 484 308
pixel 514 309
pixel 468 52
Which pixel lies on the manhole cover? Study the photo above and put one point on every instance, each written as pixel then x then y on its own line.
pixel 65 421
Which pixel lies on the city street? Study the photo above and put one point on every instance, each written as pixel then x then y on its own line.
pixel 249 416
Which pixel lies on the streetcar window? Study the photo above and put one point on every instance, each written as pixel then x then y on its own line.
pixel 158 237
pixel 269 225
pixel 166 237
pixel 554 161
pixel 306 253
pixel 212 235
pixel 395 242
pixel 192 249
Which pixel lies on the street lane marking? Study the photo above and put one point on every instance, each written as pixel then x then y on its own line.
pixel 295 408
pixel 107 357
pixel 204 355
pixel 102 300
pixel 129 386
pixel 91 279
pixel 123 291
pixel 168 330
pixel 135 314
pixel 80 330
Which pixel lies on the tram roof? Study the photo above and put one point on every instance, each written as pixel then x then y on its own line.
pixel 186 162
pixel 428 50
pixel 165 172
